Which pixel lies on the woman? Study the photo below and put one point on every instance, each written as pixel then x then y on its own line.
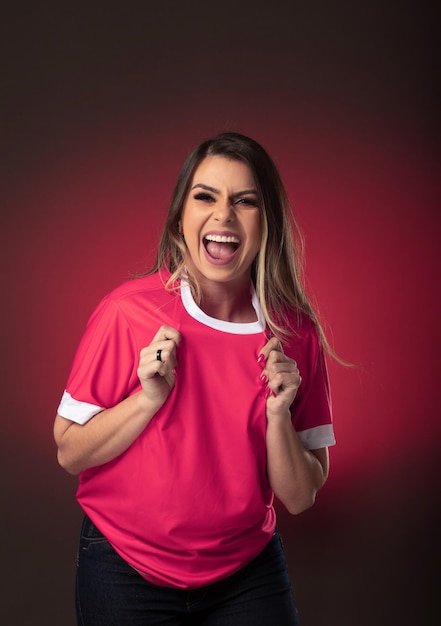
pixel 197 393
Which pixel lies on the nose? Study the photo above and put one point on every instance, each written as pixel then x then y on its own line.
pixel 223 211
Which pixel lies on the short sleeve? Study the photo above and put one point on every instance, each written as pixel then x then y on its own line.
pixel 312 410
pixel 104 370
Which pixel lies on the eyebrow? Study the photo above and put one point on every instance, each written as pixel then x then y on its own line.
pixel 214 190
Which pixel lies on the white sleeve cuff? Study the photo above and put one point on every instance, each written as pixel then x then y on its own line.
pixel 76 411
pixel 317 437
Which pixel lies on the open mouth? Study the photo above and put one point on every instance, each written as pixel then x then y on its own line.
pixel 221 247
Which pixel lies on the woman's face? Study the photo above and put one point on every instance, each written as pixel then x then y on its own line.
pixel 221 221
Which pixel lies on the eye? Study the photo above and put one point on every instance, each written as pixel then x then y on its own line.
pixel 247 201
pixel 204 196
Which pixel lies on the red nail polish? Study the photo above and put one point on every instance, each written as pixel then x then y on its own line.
pixel 263 378
pixel 261 359
pixel 267 392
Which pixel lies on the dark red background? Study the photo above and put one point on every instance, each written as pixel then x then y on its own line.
pixel 101 106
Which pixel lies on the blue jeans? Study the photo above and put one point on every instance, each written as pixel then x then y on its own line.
pixel 111 593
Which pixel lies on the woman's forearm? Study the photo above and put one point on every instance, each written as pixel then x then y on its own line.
pixel 105 436
pixel 295 474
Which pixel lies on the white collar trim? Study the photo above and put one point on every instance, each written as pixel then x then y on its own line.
pixel 250 328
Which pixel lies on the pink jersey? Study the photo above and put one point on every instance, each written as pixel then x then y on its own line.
pixel 189 502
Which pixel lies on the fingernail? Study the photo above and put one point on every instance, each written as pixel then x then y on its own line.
pixel 263 378
pixel 267 392
pixel 261 359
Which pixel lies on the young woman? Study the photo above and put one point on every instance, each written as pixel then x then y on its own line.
pixel 197 393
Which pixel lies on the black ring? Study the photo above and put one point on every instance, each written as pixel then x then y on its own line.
pixel 158 355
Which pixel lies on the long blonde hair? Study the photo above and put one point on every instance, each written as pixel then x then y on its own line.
pixel 277 271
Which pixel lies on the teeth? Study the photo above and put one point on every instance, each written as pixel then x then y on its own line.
pixel 222 239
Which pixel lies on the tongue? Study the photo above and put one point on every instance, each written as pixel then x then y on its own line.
pixel 220 250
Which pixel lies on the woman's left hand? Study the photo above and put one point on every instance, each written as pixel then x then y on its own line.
pixel 281 376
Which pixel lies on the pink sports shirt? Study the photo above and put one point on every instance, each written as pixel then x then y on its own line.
pixel 189 502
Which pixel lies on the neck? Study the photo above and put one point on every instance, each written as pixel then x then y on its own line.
pixel 228 301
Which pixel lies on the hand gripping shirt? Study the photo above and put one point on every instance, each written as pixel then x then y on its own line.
pixel 189 502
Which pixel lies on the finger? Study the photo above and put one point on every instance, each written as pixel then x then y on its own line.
pixel 159 357
pixel 165 333
pixel 276 362
pixel 165 340
pixel 163 352
pixel 280 374
pixel 149 363
pixel 272 344
pixel 285 380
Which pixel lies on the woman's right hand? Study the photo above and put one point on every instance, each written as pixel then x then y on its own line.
pixel 157 377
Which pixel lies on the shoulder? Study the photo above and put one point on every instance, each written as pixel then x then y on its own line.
pixel 144 290
pixel 301 327
pixel 140 303
pixel 149 284
pixel 303 343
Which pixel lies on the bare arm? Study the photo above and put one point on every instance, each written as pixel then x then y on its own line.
pixel 109 433
pixel 295 474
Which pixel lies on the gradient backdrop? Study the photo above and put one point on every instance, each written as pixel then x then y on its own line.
pixel 101 106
